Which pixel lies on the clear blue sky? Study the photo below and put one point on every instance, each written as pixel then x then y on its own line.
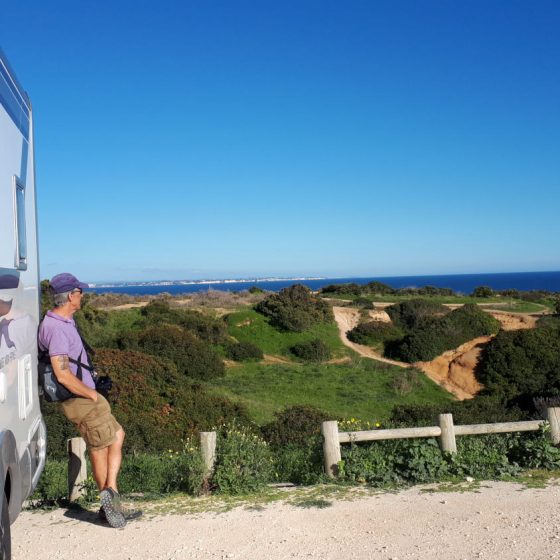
pixel 206 139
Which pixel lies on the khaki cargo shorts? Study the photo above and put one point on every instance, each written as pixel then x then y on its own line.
pixel 94 421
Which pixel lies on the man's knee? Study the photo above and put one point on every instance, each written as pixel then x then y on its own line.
pixel 120 436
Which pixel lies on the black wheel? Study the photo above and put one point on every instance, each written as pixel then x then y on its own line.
pixel 5 534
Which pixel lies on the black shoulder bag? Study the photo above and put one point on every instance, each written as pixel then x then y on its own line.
pixel 55 391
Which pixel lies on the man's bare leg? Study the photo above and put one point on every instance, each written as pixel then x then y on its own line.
pixel 114 458
pixel 99 466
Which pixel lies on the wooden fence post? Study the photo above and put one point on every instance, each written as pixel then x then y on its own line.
pixel 553 417
pixel 331 447
pixel 447 439
pixel 208 451
pixel 77 468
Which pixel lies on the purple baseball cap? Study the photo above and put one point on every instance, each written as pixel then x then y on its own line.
pixel 66 282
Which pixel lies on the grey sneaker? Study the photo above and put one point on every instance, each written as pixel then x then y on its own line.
pixel 111 505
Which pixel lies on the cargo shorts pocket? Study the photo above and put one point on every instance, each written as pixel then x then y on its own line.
pixel 99 433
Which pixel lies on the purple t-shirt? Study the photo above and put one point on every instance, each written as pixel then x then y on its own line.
pixel 59 336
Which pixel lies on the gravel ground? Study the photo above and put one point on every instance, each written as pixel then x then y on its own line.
pixel 498 520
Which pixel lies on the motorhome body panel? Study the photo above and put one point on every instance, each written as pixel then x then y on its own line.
pixel 22 430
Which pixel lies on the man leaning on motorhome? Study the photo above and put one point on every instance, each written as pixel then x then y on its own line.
pixel 89 411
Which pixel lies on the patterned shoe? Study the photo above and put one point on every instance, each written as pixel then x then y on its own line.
pixel 110 502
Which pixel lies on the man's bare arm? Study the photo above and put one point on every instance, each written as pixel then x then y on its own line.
pixel 61 368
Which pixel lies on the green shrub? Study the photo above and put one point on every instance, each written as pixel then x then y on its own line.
pixel 483 457
pixel 300 465
pixel 431 336
pixel 535 450
pixel 312 351
pixel 480 410
pixel 393 462
pixel 424 344
pixel 410 314
pixel 294 426
pixel 155 405
pixel 244 462
pixel 374 332
pixel 371 465
pixel 364 303
pixel 204 327
pixel 170 471
pixel 52 488
pixel 350 288
pixel 521 365
pixel 193 357
pixel 414 461
pixel 378 288
pixel 295 309
pixel 243 351
pixel 159 312
pixel 482 292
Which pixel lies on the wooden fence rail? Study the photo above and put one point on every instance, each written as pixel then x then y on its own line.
pixel 446 432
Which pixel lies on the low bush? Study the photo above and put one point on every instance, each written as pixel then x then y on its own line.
pixel 409 315
pixel 243 351
pixel 374 332
pixel 295 309
pixel 421 461
pixel 431 336
pixel 170 471
pixel 159 312
pixel 350 288
pixel 193 357
pixel 480 410
pixel 166 472
pixel 244 462
pixel 364 303
pixel 294 426
pixel 521 365
pixel 52 488
pixel 312 351
pixel 157 407
pixel 300 465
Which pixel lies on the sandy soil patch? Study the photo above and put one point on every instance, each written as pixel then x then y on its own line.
pixel 501 521
pixel 454 369
pixel 515 321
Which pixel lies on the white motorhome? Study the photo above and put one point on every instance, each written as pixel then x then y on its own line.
pixel 22 429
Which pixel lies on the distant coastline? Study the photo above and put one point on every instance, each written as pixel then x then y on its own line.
pixel 96 285
pixel 460 283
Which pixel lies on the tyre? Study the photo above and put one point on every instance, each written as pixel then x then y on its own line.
pixel 5 534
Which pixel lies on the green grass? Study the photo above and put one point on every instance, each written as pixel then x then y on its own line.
pixel 360 389
pixel 519 307
pixel 250 326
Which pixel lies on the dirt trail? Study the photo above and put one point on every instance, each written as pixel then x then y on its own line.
pixel 346 319
pixel 499 521
pixel 454 369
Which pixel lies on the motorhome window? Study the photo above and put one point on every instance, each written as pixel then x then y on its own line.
pixel 21 240
pixel 13 103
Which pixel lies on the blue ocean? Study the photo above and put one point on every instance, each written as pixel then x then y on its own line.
pixel 460 283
